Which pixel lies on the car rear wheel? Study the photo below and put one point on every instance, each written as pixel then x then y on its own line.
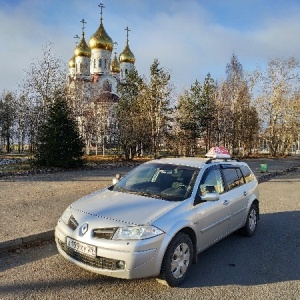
pixel 177 260
pixel 251 223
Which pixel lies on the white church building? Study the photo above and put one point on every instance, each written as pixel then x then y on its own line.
pixel 94 72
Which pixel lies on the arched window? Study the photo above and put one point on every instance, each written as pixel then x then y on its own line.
pixel 100 63
pixel 85 68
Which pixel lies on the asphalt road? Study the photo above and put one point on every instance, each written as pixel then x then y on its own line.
pixel 265 266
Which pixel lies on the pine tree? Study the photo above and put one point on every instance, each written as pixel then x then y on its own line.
pixel 157 102
pixel 59 141
pixel 129 114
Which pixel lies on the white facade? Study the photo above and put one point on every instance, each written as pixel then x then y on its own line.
pixel 82 65
pixel 125 67
pixel 100 61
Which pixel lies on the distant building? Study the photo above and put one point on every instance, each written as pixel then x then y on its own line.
pixel 93 77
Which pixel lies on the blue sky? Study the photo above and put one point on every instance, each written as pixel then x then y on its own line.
pixel 189 37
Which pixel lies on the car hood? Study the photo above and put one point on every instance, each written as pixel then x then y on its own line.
pixel 119 207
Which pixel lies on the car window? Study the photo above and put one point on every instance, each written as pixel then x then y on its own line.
pixel 211 181
pixel 240 175
pixel 166 181
pixel 142 175
pixel 233 177
pixel 247 174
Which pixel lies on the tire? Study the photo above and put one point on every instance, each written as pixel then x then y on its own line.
pixel 177 260
pixel 251 223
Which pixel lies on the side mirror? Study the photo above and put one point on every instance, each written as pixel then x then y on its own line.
pixel 116 179
pixel 210 197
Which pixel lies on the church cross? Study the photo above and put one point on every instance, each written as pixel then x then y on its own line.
pixel 101 5
pixel 127 29
pixel 83 22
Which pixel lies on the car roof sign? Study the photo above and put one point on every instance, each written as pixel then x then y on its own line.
pixel 218 152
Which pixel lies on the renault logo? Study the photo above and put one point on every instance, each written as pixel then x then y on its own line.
pixel 84 228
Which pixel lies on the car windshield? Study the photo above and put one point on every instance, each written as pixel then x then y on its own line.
pixel 157 180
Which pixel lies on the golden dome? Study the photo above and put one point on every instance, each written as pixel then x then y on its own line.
pixel 72 62
pixel 82 48
pixel 101 40
pixel 127 55
pixel 115 65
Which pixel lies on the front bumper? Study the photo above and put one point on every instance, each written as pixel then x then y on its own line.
pixel 142 258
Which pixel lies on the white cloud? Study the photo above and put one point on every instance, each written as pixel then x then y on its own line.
pixel 182 35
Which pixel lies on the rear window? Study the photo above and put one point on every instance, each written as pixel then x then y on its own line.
pixel 233 177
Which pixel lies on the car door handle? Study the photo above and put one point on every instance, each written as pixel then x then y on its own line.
pixel 245 193
pixel 226 202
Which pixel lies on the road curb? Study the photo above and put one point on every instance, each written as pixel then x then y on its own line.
pixel 28 240
pixel 269 175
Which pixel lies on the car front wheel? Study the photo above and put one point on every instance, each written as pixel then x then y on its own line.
pixel 177 260
pixel 251 223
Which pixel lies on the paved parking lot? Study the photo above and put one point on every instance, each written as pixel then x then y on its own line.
pixel 266 266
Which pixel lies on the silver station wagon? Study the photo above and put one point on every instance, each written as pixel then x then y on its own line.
pixel 157 219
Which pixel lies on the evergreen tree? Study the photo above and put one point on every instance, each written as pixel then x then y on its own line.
pixel 196 115
pixel 207 111
pixel 59 141
pixel 188 122
pixel 130 116
pixel 7 118
pixel 157 99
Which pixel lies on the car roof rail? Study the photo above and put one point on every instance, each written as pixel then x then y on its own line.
pixel 221 158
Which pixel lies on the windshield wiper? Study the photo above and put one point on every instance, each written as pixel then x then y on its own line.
pixel 149 195
pixel 119 189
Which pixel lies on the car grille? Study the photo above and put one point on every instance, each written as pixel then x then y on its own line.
pixel 104 233
pixel 97 262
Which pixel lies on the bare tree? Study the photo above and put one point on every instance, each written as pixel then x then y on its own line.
pixel 43 79
pixel 278 103
pixel 79 94
pixel 22 121
pixel 93 107
pixel 237 121
pixel 103 118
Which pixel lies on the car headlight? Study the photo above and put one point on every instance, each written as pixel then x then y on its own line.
pixel 66 215
pixel 136 233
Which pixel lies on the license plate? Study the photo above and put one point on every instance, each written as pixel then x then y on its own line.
pixel 81 247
